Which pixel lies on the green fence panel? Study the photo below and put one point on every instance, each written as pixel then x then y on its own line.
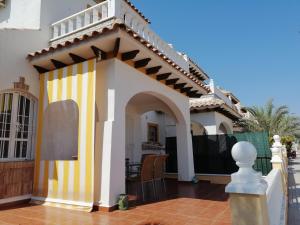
pixel 261 142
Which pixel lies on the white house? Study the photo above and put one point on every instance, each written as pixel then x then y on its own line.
pixel 76 81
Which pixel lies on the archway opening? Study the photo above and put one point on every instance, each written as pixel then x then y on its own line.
pixel 197 129
pixel 146 128
pixel 224 129
pixel 150 119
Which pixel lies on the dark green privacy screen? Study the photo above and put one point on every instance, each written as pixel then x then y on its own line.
pixel 261 142
pixel 212 153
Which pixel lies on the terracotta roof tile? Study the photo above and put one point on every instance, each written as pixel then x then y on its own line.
pixel 114 27
pixel 206 102
pixel 209 102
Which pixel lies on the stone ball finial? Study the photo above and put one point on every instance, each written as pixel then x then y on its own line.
pixel 277 141
pixel 244 153
pixel 246 180
pixel 277 138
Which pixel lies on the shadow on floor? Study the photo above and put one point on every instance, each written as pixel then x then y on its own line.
pixel 174 189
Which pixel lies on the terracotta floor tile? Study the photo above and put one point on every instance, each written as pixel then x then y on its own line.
pixel 183 204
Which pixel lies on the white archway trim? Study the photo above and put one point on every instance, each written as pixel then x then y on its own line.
pixel 224 128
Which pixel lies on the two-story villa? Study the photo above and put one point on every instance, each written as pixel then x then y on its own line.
pixel 77 78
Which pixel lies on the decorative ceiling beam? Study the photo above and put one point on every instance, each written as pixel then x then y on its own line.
pixel 163 76
pixel 76 58
pixel 100 54
pixel 187 89
pixel 153 70
pixel 197 95
pixel 40 69
pixel 58 64
pixel 192 70
pixel 129 55
pixel 199 77
pixel 179 86
pixel 142 63
pixel 172 81
pixel 192 93
pixel 116 47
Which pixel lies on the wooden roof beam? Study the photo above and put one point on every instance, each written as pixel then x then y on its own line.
pixel 129 55
pixel 142 63
pixel 40 69
pixel 197 95
pixel 192 70
pixel 163 76
pixel 58 64
pixel 186 89
pixel 172 81
pixel 116 47
pixel 153 70
pixel 76 58
pixel 100 54
pixel 179 86
pixel 192 94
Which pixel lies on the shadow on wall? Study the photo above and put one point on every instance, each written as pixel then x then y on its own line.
pixel 60 131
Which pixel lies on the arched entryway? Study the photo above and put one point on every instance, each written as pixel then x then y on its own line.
pixel 124 139
pixel 224 128
pixel 146 115
pixel 197 129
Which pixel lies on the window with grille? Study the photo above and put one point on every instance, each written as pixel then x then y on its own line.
pixel 16 126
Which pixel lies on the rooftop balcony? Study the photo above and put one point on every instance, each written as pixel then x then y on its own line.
pixel 107 13
pixel 218 93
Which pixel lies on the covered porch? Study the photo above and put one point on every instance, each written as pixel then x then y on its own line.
pixel 184 204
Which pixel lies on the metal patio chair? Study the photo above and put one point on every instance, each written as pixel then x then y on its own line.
pixel 146 173
pixel 159 169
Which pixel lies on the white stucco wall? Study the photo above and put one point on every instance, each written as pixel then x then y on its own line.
pixel 27 29
pixel 212 121
pixel 116 84
pixel 20 14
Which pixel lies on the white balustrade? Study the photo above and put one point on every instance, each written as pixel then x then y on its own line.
pixel 275 198
pixel 79 21
pixel 120 10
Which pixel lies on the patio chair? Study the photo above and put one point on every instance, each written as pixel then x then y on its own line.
pixel 146 174
pixel 159 169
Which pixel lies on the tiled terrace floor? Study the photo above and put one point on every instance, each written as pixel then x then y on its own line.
pixel 185 204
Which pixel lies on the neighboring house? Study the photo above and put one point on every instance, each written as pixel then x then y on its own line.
pixel 77 104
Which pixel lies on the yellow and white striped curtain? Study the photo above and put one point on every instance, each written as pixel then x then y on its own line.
pixel 69 182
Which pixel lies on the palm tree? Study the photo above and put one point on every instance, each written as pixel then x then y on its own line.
pixel 274 120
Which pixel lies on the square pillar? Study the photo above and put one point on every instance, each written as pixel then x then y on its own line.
pixel 185 156
pixel 247 189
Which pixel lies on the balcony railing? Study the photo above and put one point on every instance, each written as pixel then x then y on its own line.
pixel 80 21
pixel 101 13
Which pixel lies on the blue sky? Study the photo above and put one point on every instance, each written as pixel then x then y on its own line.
pixel 249 47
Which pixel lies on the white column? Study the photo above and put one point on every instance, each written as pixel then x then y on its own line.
pixel 185 159
pixel 113 153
